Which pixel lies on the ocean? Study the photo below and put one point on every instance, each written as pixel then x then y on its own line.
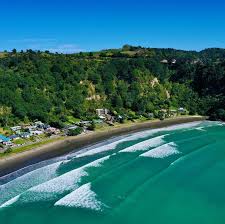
pixel 168 175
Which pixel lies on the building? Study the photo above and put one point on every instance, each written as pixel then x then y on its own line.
pixel 174 61
pixel 8 143
pixel 73 127
pixel 16 128
pixel 164 61
pixel 182 110
pixel 14 137
pixel 4 139
pixel 102 112
pixel 36 132
pixel 25 135
pixel 98 121
pixel 53 131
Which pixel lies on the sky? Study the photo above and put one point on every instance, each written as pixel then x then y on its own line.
pixel 68 26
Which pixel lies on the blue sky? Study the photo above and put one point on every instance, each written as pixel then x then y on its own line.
pixel 90 25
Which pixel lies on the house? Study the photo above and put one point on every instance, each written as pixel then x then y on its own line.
pixel 102 112
pixel 98 121
pixel 31 128
pixel 73 127
pixel 174 61
pixel 25 135
pixel 181 110
pixel 53 131
pixel 4 139
pixel 14 137
pixel 164 61
pixel 36 132
pixel 16 128
pixel 8 143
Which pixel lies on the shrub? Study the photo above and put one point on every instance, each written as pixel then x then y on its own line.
pixel 75 132
pixel 9 150
pixel 92 127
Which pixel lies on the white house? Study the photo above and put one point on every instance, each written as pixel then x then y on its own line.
pixel 36 132
pixel 16 128
pixel 102 112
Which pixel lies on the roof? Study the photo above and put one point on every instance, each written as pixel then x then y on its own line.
pixel 13 136
pixel 25 134
pixel 4 138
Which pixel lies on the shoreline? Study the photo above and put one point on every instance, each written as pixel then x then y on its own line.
pixel 61 147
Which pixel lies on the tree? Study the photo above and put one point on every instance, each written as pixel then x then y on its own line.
pixel 74 132
pixel 5 113
pixel 14 51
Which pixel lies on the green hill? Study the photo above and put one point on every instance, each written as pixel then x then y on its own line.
pixel 131 80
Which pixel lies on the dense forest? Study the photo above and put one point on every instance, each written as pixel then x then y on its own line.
pixel 131 80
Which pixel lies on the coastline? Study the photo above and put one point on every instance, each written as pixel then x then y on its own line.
pixel 64 146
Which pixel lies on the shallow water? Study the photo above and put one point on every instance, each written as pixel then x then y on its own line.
pixel 169 175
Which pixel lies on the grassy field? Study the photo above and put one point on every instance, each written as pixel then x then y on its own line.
pixel 29 147
pixel 5 131
pixel 3 55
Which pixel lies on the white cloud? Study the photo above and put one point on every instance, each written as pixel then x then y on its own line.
pixel 66 48
pixel 43 44
pixel 34 40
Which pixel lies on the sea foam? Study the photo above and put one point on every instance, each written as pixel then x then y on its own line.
pixel 139 135
pixel 10 202
pixel 58 185
pixel 83 197
pixel 25 182
pixel 153 142
pixel 162 151
pixel 67 181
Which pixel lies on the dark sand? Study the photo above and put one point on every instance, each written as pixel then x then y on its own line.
pixel 61 147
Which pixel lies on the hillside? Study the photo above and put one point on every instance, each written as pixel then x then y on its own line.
pixel 131 80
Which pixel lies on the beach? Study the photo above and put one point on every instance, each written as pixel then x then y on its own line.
pixel 64 146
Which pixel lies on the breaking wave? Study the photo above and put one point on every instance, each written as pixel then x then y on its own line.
pixel 10 202
pixel 162 151
pixel 139 135
pixel 23 183
pixel 83 197
pixel 153 142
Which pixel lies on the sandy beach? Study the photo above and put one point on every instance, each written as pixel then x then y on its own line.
pixel 61 147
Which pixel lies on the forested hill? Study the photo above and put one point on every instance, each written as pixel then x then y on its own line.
pixel 132 80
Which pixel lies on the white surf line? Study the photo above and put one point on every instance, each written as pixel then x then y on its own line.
pixel 200 129
pixel 15 191
pixel 162 151
pixel 145 145
pixel 135 136
pixel 65 182
pixel 113 145
pixel 26 181
pixel 30 168
pixel 10 202
pixel 83 197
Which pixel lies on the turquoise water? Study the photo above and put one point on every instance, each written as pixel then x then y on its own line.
pixel 170 175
